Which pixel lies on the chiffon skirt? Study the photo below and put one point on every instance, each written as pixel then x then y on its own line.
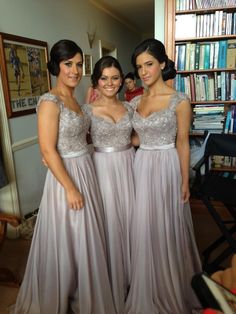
pixel 67 270
pixel 164 252
pixel 116 182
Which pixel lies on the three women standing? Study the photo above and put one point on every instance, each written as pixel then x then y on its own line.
pixel 67 270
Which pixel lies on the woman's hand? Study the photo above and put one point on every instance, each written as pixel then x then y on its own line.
pixel 44 162
pixel 75 199
pixel 185 193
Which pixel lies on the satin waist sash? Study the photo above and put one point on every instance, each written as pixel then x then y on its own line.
pixel 157 147
pixel 111 149
pixel 75 154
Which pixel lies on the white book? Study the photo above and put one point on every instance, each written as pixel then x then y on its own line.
pixel 220 22
pixel 192 56
pixel 216 24
pixel 211 88
pixel 216 54
pixel 211 25
pixel 185 26
pixel 212 50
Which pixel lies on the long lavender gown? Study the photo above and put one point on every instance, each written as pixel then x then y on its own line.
pixel 164 252
pixel 67 270
pixel 113 159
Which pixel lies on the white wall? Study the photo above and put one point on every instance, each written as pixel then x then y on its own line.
pixel 159 20
pixel 48 20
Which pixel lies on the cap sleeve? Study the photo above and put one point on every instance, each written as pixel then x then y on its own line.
pixel 135 101
pixel 87 109
pixel 177 98
pixel 49 97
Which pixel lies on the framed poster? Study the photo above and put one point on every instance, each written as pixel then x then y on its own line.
pixel 23 67
pixel 87 65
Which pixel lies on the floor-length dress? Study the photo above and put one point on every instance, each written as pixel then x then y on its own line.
pixel 164 252
pixel 113 159
pixel 66 270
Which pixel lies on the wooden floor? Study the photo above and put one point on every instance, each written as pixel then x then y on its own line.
pixel 14 252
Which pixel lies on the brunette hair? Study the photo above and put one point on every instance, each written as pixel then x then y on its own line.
pixel 101 64
pixel 130 75
pixel 62 50
pixel 156 49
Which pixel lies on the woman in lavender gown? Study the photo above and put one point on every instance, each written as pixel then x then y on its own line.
pixel 113 157
pixel 66 270
pixel 164 252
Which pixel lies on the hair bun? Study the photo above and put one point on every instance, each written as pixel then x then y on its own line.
pixel 51 67
pixel 169 71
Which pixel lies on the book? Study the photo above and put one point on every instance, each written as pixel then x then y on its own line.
pixel 231 54
pixel 176 56
pixel 192 56
pixel 233 86
pixel 232 120
pixel 192 88
pixel 207 56
pixel 222 54
pixel 197 55
pixel 185 26
pixel 211 88
pixel 201 56
pixel 223 86
pixel 227 122
pixel 216 54
pixel 187 59
pixel 181 57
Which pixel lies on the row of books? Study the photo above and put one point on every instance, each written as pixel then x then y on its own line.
pixel 208 87
pixel 205 55
pixel 230 120
pixel 224 162
pixel 208 117
pixel 229 128
pixel 205 25
pixel 202 4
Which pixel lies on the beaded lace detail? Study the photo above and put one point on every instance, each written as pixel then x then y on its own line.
pixel 107 133
pixel 159 128
pixel 73 127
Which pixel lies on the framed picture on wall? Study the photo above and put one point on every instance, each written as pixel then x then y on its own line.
pixel 87 65
pixel 23 67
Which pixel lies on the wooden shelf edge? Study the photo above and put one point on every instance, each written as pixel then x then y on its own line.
pixel 206 10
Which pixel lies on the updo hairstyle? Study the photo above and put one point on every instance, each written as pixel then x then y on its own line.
pixel 62 50
pixel 156 49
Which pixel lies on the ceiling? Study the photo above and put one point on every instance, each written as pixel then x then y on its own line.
pixel 136 14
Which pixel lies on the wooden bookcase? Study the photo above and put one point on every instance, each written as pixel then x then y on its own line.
pixel 223 73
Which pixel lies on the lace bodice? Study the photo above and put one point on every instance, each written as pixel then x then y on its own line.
pixel 107 133
pixel 73 127
pixel 159 128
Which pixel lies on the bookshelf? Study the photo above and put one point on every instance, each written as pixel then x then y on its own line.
pixel 200 36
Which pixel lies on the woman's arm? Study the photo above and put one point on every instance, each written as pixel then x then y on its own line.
pixel 88 95
pixel 48 122
pixel 184 113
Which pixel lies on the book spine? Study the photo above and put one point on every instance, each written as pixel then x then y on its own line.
pixel 231 54
pixel 227 122
pixel 197 56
